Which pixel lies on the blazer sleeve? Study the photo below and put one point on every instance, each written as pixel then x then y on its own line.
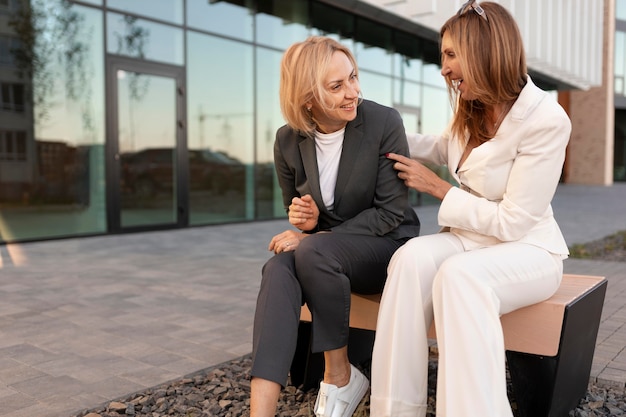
pixel 285 172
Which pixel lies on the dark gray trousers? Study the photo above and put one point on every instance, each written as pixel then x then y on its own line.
pixel 323 270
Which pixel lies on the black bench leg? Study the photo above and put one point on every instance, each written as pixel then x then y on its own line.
pixel 553 386
pixel 307 368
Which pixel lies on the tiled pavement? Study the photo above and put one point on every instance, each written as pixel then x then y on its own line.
pixel 85 321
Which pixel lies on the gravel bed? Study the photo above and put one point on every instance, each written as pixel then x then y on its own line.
pixel 224 390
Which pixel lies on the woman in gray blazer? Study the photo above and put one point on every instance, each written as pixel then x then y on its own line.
pixel 501 248
pixel 350 213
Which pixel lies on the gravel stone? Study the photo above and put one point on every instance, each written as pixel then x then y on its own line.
pixel 224 391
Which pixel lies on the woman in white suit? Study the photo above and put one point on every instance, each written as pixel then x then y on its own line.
pixel 501 248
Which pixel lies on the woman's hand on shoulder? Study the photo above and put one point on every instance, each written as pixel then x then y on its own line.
pixel 420 178
pixel 304 213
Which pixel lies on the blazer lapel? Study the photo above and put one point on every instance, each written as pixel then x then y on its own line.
pixel 353 138
pixel 309 161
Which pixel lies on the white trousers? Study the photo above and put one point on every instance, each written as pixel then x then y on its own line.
pixel 466 291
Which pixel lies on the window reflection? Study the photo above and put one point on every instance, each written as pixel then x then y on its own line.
pixel 408 93
pixel 620 9
pixel 407 68
pixel 376 87
pixel 52 107
pixel 220 119
pixel 220 17
pixel 52 118
pixel 281 23
pixel 138 38
pixel 168 10
pixel 269 202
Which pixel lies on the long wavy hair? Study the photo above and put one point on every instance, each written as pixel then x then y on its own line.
pixel 493 62
pixel 303 71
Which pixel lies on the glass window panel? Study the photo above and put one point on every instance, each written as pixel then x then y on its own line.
pixel 221 17
pixel 407 45
pixel 12 97
pixel 6 96
pixel 269 195
pixel 138 38
pixel 147 142
pixel 7 45
pixel 436 112
pixel 408 68
pixel 55 184
pixel 619 85
pixel 373 58
pixel 432 75
pixel 620 9
pixel 329 20
pixel 376 87
pixel 281 23
pixel 168 10
pixel 407 93
pixel 620 62
pixel 221 127
pixel 373 46
pixel 18 97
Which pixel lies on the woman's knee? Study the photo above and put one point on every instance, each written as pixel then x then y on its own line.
pixel 314 256
pixel 279 272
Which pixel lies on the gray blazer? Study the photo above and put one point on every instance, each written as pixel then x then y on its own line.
pixel 370 199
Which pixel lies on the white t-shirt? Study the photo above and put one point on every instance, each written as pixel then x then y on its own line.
pixel 328 147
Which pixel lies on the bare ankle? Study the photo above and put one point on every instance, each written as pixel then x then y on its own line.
pixel 339 378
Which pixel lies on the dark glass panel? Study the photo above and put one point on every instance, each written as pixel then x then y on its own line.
pixel 279 23
pixel 269 201
pixel 331 20
pixel 220 110
pixel 52 168
pixel 147 131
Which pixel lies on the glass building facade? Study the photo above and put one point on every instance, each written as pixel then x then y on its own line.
pixel 120 116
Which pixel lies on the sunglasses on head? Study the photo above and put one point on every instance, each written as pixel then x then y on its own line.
pixel 471 4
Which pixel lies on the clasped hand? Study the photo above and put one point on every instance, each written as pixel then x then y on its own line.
pixel 303 214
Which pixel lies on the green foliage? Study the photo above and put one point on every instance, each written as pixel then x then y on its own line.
pixel 612 247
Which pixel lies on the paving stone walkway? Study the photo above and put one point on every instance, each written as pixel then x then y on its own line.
pixel 84 321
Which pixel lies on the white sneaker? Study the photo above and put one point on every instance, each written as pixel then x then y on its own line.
pixel 341 402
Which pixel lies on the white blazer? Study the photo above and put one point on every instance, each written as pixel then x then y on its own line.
pixel 507 183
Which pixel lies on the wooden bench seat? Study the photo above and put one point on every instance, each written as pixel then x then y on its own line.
pixel 549 345
pixel 535 329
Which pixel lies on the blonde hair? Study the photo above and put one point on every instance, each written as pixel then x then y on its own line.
pixel 303 70
pixel 493 62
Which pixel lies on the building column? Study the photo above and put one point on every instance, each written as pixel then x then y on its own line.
pixel 590 151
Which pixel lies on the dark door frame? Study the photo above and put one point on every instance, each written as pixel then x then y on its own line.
pixel 113 64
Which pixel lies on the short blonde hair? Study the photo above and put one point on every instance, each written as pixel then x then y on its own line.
pixel 493 61
pixel 303 70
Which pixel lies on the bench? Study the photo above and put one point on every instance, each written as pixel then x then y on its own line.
pixel 549 345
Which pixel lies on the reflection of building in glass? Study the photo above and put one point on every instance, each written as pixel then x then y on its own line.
pixel 166 119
